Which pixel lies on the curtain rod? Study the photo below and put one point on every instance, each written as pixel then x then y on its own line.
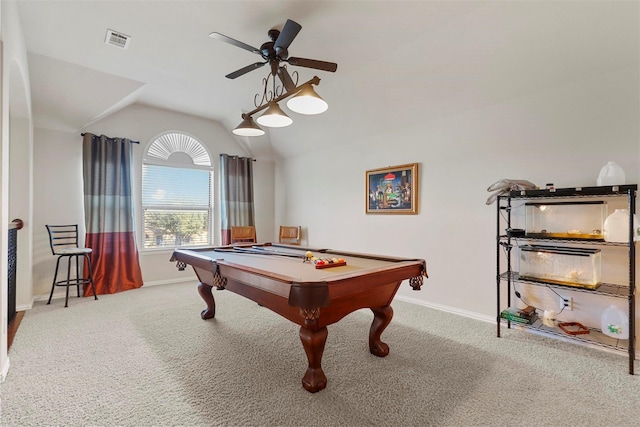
pixel 252 159
pixel 134 142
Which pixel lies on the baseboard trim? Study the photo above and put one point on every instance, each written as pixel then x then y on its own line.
pixel 440 307
pixel 24 307
pixel 5 370
pixel 447 309
pixel 169 282
pixel 61 294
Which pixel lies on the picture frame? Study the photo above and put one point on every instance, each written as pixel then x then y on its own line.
pixel 392 190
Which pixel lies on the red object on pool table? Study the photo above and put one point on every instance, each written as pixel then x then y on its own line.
pixel 330 265
pixel 276 277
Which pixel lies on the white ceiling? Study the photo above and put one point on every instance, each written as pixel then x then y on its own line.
pixel 400 63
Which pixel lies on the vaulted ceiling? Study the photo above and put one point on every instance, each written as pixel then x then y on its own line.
pixel 400 63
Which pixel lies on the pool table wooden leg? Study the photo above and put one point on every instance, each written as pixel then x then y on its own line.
pixel 207 296
pixel 313 342
pixel 381 318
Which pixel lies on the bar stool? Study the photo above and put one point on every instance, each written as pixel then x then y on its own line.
pixel 63 240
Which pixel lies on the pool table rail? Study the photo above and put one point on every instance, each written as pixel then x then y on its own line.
pixel 310 298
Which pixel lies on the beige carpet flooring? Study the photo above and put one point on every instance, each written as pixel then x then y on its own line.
pixel 145 358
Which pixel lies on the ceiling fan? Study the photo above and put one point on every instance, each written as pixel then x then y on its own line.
pixel 274 52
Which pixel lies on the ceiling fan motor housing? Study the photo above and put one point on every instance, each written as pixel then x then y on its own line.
pixel 275 51
pixel 273 34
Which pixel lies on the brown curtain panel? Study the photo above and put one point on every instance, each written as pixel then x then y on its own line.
pixel 236 193
pixel 109 219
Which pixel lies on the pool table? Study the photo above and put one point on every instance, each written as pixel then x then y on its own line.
pixel 282 279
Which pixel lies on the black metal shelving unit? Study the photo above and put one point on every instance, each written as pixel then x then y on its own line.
pixel 506 275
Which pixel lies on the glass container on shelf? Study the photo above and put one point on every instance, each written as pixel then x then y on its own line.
pixel 566 220
pixel 580 267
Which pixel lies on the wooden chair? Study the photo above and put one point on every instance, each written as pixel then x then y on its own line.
pixel 243 234
pixel 289 234
pixel 63 240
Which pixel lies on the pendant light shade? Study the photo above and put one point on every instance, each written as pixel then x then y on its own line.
pixel 274 117
pixel 307 101
pixel 303 100
pixel 248 128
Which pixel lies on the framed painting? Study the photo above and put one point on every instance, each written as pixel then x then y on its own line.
pixel 392 190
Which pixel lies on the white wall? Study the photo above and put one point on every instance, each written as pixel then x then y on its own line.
pixel 59 186
pixel 562 135
pixel 4 216
pixel 20 197
pixel 58 197
pixel 16 142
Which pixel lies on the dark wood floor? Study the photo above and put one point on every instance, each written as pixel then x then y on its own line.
pixel 13 328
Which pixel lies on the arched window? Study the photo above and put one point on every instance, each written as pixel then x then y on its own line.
pixel 177 193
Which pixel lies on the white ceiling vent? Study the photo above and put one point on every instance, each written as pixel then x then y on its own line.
pixel 117 39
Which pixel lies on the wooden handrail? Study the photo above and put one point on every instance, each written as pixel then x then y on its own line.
pixel 17 224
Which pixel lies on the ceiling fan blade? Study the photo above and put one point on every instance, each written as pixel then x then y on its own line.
pixel 234 42
pixel 244 70
pixel 313 63
pixel 288 33
pixel 286 79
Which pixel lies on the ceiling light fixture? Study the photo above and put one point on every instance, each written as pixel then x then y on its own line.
pixel 305 101
pixel 274 117
pixel 248 127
